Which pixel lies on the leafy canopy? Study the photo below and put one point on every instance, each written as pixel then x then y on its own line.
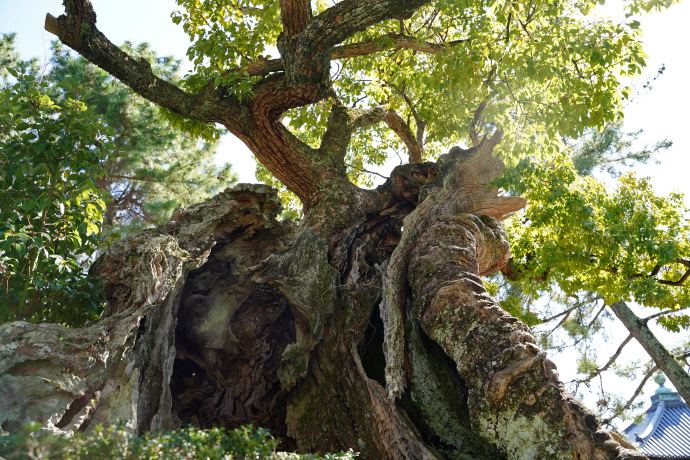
pixel 626 245
pixel 538 70
pixel 580 246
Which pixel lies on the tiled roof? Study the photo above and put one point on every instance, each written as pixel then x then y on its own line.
pixel 665 431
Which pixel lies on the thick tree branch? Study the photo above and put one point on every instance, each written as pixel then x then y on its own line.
pixel 255 121
pixel 348 17
pixel 407 132
pixel 391 41
pixel 295 15
pixel 342 124
pixel 77 29
pixel 377 45
pixel 661 356
pixel 402 129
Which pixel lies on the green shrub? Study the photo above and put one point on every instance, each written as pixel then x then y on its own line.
pixel 114 443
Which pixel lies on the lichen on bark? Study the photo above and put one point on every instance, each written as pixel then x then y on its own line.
pixel 226 316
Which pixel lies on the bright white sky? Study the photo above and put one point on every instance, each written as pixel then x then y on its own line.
pixel 663 112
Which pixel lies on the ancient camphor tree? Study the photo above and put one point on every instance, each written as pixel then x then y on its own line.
pixel 366 326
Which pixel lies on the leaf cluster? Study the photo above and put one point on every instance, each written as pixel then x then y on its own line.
pixel 624 245
pixel 51 209
pixel 224 36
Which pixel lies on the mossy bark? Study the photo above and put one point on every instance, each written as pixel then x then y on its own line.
pixel 341 333
pixel 344 332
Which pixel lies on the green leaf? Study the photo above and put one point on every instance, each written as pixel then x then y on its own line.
pixel 68 83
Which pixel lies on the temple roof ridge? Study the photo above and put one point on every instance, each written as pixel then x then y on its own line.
pixel 665 431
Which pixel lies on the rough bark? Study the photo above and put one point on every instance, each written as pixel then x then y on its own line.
pixel 662 357
pixel 366 327
pixel 225 316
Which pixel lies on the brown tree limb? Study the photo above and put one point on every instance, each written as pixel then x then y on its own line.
pixel 639 388
pixel 662 357
pixel 402 129
pixel 385 42
pixel 77 29
pixel 392 41
pixel 342 124
pixel 421 124
pixel 341 21
pixel 656 315
pixel 295 15
pixel 474 136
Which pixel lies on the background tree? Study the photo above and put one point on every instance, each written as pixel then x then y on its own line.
pixel 51 209
pixel 152 168
pixel 143 167
pixel 372 307
pixel 570 244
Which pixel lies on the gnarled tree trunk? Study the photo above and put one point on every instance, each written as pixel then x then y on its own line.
pixel 364 337
pixel 365 327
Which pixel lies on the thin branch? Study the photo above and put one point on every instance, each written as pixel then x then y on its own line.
pixel 656 315
pixel 561 322
pixel 591 323
pixel 610 362
pixel 510 16
pixel 366 171
pixel 564 312
pixel 682 279
pixel 639 389
pixel 637 392
pixel 147 179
